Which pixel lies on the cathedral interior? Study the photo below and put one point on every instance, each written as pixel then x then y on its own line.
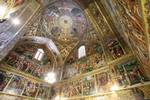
pixel 74 49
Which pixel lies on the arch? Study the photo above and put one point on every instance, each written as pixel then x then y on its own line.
pixel 41 40
pixel 49 44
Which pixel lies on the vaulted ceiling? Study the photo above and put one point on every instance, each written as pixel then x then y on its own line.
pixel 72 23
pixel 112 31
pixel 66 23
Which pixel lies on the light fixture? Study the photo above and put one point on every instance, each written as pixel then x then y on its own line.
pixel 5 9
pixel 39 99
pixel 11 91
pixel 50 77
pixel 100 98
pixel 16 21
pixel 2 13
pixel 59 98
pixel 2 10
pixel 89 78
pixel 114 88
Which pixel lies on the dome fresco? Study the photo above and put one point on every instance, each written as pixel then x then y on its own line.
pixel 64 20
pixel 62 52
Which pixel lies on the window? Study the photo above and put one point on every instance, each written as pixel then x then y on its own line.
pixel 39 54
pixel 81 51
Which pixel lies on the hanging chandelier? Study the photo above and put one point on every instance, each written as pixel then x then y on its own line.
pixel 5 9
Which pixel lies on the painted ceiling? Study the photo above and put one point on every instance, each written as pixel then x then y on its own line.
pixel 64 20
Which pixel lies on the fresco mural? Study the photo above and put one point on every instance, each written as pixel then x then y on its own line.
pixel 64 20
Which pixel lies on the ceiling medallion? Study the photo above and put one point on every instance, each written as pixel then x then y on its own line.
pixel 64 20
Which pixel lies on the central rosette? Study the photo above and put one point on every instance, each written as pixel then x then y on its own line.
pixel 65 22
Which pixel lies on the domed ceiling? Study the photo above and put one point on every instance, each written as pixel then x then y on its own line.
pixel 64 20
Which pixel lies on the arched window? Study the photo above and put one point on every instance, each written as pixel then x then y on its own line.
pixel 81 51
pixel 39 54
